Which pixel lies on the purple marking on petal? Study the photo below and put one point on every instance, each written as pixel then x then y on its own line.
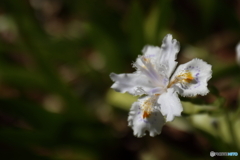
pixel 155 90
pixel 146 121
pixel 150 56
pixel 165 81
pixel 198 84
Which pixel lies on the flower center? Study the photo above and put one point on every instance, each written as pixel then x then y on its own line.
pixel 147 106
pixel 184 77
pixel 146 114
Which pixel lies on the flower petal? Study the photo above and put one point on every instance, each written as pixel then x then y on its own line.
pixel 170 104
pixel 135 84
pixel 146 67
pixel 238 53
pixel 140 123
pixel 193 77
pixel 169 49
pixel 151 52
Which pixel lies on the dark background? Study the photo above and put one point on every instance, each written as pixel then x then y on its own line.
pixel 55 60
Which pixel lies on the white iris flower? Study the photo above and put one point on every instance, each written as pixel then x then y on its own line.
pixel 159 87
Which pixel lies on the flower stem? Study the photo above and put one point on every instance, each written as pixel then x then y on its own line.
pixel 231 130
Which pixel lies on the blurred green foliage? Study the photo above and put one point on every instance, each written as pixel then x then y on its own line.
pixel 55 61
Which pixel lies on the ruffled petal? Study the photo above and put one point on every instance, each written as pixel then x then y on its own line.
pixel 140 121
pixel 135 84
pixel 170 104
pixel 238 53
pixel 169 49
pixel 191 78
